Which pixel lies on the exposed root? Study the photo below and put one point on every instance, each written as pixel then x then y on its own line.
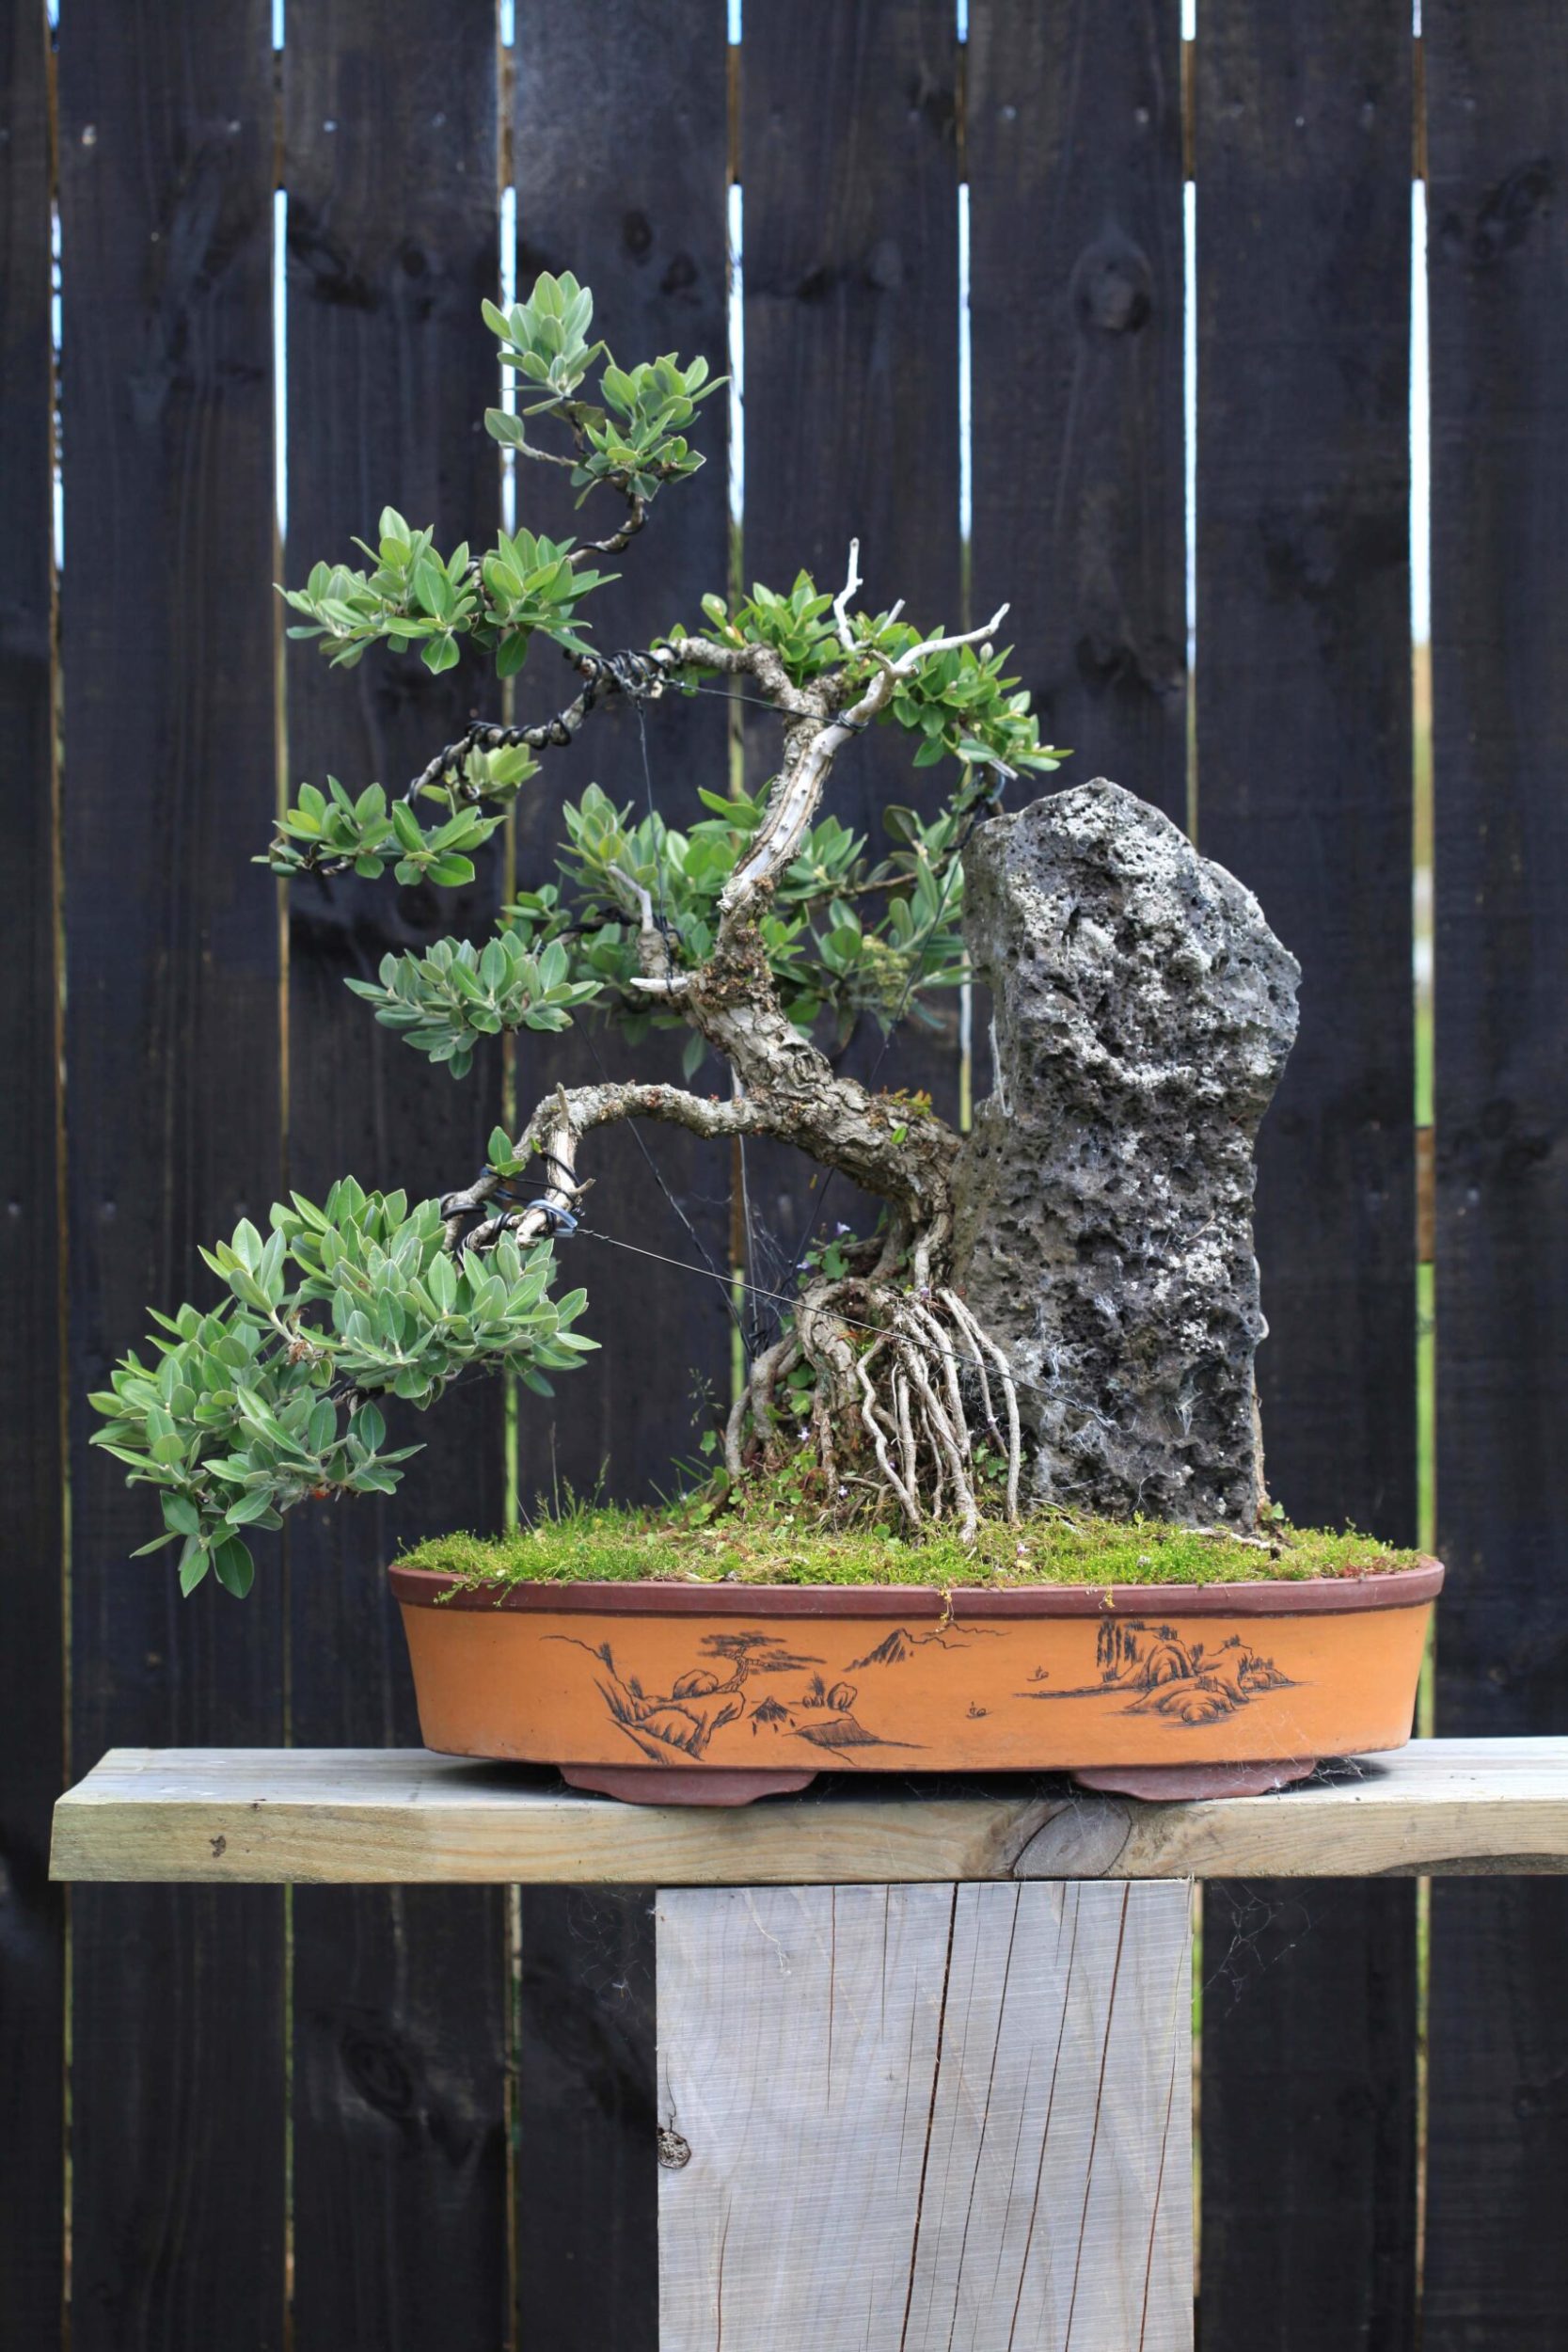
pixel 906 1374
pixel 985 1346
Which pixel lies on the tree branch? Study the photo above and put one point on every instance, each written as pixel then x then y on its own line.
pixel 487 734
pixel 852 583
pixel 603 674
pixel 809 755
pixel 748 660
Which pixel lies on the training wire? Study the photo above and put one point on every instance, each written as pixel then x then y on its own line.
pixel 784 1299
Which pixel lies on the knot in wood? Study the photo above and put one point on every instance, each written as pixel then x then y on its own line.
pixel 1113 286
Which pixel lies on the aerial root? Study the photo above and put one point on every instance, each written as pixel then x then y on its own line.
pixel 922 1392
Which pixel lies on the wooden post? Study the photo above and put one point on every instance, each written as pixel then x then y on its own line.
pixel 904 2116
pixel 923 2058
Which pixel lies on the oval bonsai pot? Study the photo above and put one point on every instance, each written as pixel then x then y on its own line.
pixel 715 1694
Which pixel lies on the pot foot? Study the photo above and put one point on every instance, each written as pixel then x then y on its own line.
pixel 678 1784
pixel 1168 1783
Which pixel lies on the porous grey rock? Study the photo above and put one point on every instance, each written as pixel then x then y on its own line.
pixel 1142 1014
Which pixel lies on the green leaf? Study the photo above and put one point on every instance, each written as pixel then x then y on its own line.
pixel 407 826
pixel 433 588
pixel 499 1153
pixel 233 1567
pixel 369 1425
pixel 254 1504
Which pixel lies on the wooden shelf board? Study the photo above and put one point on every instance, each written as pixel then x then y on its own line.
pixel 402 1816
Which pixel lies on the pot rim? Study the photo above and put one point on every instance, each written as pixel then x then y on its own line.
pixel 1273 1597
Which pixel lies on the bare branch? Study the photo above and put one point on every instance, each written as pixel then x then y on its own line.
pixel 923 652
pixel 852 585
pixel 641 899
pixel 761 662
pixel 617 539
pixel 490 736
pixel 809 757
pixel 543 456
pixel 672 984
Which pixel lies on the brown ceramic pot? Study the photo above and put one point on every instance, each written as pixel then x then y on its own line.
pixel 715 1694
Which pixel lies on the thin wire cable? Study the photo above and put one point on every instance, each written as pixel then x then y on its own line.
pixel 788 1299
pixel 641 1143
pixel 915 973
pixel 851 727
pixel 746 1327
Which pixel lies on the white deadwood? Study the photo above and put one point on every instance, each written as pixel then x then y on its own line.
pixel 900 2118
pixel 373 1816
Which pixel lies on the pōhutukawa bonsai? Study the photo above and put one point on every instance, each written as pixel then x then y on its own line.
pixel 1062 1307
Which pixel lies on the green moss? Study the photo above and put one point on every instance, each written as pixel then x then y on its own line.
pixel 681 1545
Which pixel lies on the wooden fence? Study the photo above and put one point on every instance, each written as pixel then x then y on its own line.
pixel 411 2117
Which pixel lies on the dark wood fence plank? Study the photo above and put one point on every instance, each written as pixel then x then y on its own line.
pixel 627 190
pixel 619 148
pixel 1496 81
pixel 1073 151
pixel 400 1997
pixel 849 173
pixel 172 1051
pixel 32 1473
pixel 587 2179
pixel 848 168
pixel 1304 756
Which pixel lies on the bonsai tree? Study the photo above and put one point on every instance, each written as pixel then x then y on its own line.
pixel 765 927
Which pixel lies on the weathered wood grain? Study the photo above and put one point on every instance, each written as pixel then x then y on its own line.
pixel 165 191
pixel 1072 144
pixel 1301 158
pixel 32 1473
pixel 586 2194
pixel 1496 143
pixel 390 141
pixel 849 170
pixel 906 2118
pixel 620 152
pixel 370 1815
pixel 171 1054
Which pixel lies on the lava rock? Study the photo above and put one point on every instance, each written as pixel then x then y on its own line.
pixel 1142 1014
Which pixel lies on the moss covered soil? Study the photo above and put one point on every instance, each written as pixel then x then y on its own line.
pixel 682 1546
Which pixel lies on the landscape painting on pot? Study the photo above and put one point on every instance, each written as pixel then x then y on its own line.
pixel 1054 1317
